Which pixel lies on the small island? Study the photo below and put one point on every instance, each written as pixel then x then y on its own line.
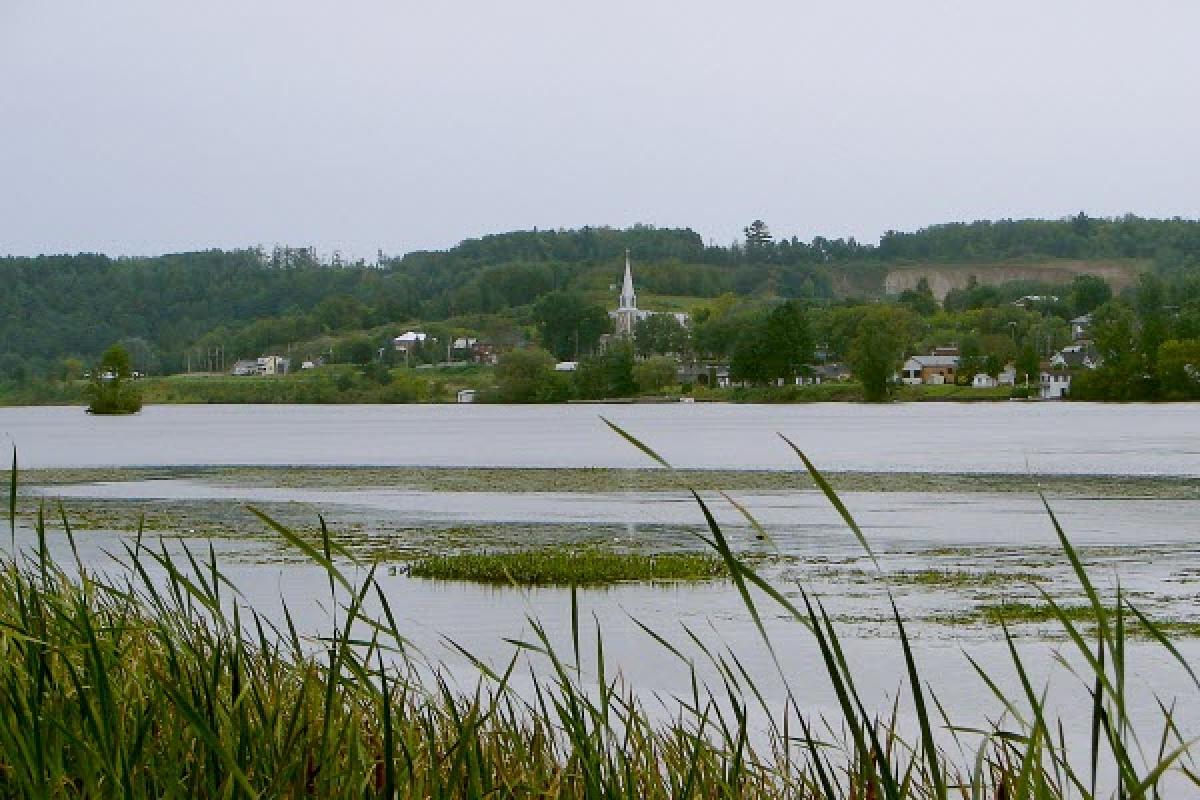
pixel 111 390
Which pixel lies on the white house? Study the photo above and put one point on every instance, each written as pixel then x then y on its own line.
pixel 1075 355
pixel 1030 300
pixel 566 366
pixel 1056 384
pixel 273 365
pixel 267 365
pixel 1007 376
pixel 1081 327
pixel 466 395
pixel 409 340
pixel 984 381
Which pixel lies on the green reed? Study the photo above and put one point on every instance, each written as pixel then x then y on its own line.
pixel 154 680
pixel 568 567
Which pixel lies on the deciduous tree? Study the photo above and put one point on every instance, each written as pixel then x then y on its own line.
pixel 878 349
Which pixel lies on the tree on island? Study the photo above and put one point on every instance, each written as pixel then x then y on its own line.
pixel 111 390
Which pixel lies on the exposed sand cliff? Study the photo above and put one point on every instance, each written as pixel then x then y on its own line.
pixel 1119 273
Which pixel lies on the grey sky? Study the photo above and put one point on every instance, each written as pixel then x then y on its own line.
pixel 144 127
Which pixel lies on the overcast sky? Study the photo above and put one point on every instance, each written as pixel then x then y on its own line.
pixel 148 127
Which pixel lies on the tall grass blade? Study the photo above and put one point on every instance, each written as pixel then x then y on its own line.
pixel 12 500
pixel 834 500
pixel 313 553
pixel 636 442
pixel 914 680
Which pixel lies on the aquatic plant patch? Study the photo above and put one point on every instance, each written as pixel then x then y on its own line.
pixel 565 567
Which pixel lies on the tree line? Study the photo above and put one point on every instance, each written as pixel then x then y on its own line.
pixel 60 312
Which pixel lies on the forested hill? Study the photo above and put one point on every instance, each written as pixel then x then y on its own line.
pixel 55 307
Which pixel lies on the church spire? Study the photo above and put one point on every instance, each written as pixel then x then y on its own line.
pixel 628 297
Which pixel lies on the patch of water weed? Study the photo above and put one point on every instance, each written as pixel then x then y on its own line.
pixel 1037 613
pixel 965 579
pixel 603 480
pixel 567 567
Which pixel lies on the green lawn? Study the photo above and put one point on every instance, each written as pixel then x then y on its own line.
pixel 951 392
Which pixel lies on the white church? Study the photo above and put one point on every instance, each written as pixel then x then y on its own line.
pixel 627 315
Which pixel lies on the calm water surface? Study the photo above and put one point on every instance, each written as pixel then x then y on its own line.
pixel 923 437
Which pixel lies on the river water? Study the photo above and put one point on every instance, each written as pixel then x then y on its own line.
pixel 1145 543
pixel 920 437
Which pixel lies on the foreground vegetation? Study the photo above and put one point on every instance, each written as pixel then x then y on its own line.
pixel 588 567
pixel 156 682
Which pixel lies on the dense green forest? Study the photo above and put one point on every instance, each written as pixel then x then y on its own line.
pixel 60 312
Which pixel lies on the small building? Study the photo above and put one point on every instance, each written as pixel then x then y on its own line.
pixel 274 365
pixel 1055 384
pixel 1081 327
pixel 933 369
pixel 566 366
pixel 1007 376
pixel 1075 356
pixel 308 365
pixel 409 340
pixel 484 353
pixel 266 365
pixel 700 374
pixel 1031 300
pixel 984 381
pixel 466 395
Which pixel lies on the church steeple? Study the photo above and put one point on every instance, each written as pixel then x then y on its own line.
pixel 628 297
